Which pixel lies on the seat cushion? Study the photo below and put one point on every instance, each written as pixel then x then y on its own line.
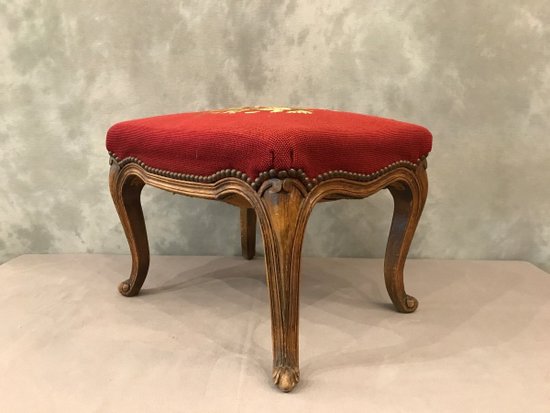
pixel 253 140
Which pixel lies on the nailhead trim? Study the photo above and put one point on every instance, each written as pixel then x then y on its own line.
pixel 272 173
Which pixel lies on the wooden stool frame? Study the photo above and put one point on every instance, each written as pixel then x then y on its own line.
pixel 282 202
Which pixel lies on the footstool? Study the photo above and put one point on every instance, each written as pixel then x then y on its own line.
pixel 275 164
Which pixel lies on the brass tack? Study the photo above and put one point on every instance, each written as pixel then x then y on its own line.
pixel 292 172
pixel 272 173
pixel 283 174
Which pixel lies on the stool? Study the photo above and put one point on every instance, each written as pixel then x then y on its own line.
pixel 275 164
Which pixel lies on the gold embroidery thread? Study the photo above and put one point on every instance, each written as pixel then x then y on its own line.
pixel 258 109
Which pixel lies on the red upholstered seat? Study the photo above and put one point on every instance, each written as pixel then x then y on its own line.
pixel 256 139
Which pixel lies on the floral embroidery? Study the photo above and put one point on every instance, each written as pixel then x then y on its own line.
pixel 257 109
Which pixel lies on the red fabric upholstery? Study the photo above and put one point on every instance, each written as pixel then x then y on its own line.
pixel 254 140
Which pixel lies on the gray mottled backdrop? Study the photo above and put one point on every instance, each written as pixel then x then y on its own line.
pixel 477 73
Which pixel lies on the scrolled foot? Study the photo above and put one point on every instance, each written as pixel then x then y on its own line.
pixel 408 305
pixel 286 378
pixel 125 288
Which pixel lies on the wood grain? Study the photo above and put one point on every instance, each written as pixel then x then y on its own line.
pixel 282 203
pixel 248 232
pixel 126 192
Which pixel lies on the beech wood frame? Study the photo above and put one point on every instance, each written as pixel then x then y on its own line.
pixel 282 202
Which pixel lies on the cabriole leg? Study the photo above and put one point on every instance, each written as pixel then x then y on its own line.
pixel 248 232
pixel 409 198
pixel 283 220
pixel 126 191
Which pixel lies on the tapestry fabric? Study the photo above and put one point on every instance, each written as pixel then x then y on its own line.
pixel 257 139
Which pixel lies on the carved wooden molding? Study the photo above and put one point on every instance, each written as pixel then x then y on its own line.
pixel 299 174
pixel 282 202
